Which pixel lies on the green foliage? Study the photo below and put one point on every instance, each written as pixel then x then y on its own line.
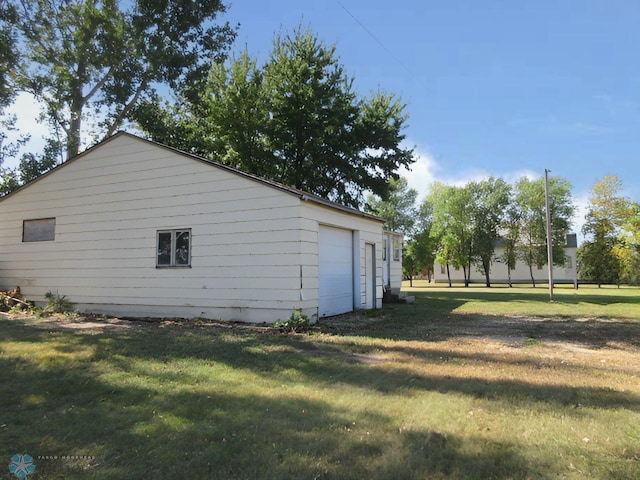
pixel 33 165
pixel 610 253
pixel 452 228
pixel 399 209
pixel 9 55
pixel 57 303
pixel 8 181
pixel 529 198
pixel 295 120
pixel 489 199
pixel 466 223
pixel 95 61
pixel 598 263
pixel 296 322
pixel 418 254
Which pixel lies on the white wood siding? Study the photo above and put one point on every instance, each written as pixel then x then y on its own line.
pixel 395 266
pixel 108 205
pixel 521 274
pixel 254 248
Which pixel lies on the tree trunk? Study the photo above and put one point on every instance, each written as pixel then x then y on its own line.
pixel 75 117
pixel 509 276
pixel 73 138
pixel 449 275
pixel 486 268
pixel 533 280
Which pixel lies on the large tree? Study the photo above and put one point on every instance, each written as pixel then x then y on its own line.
pixel 93 61
pixel 510 236
pixel 529 199
pixel 8 52
pixel 601 258
pixel 629 251
pixel 296 119
pixel 489 199
pixel 8 63
pixel 451 230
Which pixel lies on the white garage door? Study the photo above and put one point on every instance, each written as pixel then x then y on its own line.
pixel 335 271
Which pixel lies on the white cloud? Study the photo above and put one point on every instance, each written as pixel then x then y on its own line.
pixel 422 173
pixel 427 170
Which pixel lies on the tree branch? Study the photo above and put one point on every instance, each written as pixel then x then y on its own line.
pixel 98 85
pixel 126 110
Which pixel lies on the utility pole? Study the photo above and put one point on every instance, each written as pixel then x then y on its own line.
pixel 549 243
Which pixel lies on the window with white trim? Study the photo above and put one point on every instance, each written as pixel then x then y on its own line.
pixel 396 249
pixel 174 248
pixel 39 230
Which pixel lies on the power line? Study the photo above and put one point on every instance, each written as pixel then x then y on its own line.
pixel 364 27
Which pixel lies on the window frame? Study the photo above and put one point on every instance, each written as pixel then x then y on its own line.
pixel 174 235
pixel 29 238
pixel 396 249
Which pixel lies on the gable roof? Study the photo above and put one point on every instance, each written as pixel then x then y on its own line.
pixel 302 195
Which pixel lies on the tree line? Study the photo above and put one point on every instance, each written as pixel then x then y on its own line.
pixel 164 69
pixel 460 226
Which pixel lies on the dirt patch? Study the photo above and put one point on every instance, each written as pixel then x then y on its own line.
pixel 510 330
pixel 505 330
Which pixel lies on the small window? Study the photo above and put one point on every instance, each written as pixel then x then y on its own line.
pixel 568 263
pixel 396 249
pixel 442 269
pixel 384 250
pixel 39 230
pixel 174 248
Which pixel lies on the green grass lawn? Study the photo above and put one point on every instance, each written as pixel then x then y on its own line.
pixel 446 388
pixel 587 301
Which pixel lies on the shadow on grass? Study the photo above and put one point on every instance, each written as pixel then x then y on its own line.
pixel 141 423
pixel 433 317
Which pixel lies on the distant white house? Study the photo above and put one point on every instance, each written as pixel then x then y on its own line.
pixel 134 228
pixel 521 274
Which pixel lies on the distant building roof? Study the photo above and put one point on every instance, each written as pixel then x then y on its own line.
pixel 572 241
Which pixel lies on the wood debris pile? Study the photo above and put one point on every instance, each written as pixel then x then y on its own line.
pixel 11 298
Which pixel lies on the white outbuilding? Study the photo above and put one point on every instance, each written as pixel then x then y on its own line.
pixel 134 228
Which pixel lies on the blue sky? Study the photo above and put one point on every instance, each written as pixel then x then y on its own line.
pixel 502 88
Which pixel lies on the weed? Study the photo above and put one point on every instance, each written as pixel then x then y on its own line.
pixel 57 303
pixel 297 322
